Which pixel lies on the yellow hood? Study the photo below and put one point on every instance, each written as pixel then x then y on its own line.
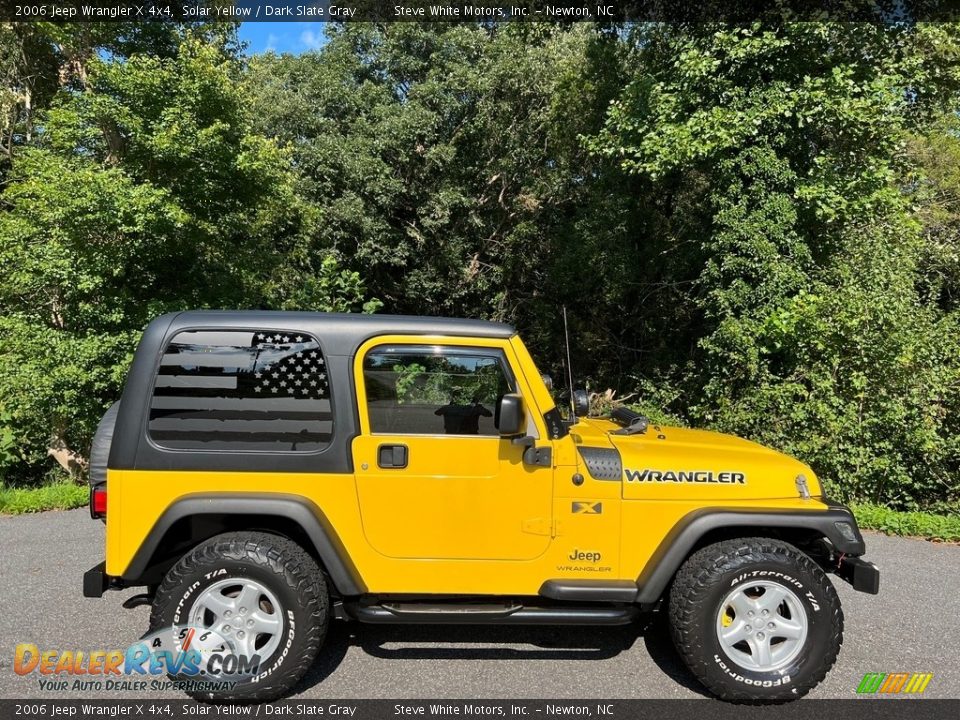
pixel 671 463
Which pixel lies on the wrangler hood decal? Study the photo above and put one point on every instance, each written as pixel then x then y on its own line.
pixel 681 476
pixel 671 463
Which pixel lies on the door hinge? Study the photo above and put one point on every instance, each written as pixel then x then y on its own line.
pixel 541 526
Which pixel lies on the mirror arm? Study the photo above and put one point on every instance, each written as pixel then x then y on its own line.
pixel 522 440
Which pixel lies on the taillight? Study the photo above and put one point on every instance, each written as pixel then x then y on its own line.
pixel 98 502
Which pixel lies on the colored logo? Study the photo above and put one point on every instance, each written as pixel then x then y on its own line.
pixel 894 683
pixel 182 653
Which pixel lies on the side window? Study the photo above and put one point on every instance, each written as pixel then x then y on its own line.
pixel 259 390
pixel 434 390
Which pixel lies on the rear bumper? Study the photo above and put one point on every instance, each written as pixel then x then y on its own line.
pixel 863 575
pixel 96 581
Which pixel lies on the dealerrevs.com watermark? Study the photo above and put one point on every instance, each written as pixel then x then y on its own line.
pixel 184 659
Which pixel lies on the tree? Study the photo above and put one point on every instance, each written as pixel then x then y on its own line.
pixel 446 165
pixel 815 337
pixel 146 191
pixel 752 228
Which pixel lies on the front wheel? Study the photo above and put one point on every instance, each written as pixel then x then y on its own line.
pixel 755 620
pixel 260 603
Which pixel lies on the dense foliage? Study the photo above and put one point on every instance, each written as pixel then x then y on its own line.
pixel 753 228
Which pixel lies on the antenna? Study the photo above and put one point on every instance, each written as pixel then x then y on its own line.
pixel 566 336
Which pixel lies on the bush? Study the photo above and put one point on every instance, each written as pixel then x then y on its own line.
pixel 912 524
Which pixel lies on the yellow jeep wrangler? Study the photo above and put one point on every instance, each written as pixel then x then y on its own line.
pixel 266 472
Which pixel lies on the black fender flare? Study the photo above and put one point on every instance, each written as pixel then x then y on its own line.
pixel 683 537
pixel 293 508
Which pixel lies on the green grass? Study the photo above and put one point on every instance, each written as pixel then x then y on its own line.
pixel 58 496
pixel 912 524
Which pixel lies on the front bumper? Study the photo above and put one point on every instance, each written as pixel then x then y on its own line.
pixel 848 546
pixel 863 575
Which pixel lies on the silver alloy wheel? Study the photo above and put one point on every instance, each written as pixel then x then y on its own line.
pixel 244 613
pixel 761 625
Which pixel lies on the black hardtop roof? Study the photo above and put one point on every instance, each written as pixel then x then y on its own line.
pixel 340 336
pixel 337 328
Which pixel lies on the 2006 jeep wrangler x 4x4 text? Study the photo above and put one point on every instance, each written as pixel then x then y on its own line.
pixel 269 471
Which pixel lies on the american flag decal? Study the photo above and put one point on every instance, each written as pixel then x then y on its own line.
pixel 302 373
pixel 259 390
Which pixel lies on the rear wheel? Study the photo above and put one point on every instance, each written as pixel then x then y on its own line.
pixel 258 600
pixel 755 620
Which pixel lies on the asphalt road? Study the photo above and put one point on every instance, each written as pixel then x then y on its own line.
pixel 912 626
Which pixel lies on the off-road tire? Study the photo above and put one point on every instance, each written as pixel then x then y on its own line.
pixel 280 565
pixel 698 591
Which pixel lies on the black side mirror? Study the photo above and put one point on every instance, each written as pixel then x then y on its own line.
pixel 581 403
pixel 509 419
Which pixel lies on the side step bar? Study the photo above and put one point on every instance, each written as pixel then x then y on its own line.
pixel 488 614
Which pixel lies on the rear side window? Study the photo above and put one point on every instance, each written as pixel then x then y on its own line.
pixel 260 390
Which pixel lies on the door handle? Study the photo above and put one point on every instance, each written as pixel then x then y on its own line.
pixel 392 456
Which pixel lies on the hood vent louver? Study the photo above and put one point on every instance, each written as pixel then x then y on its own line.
pixel 602 463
